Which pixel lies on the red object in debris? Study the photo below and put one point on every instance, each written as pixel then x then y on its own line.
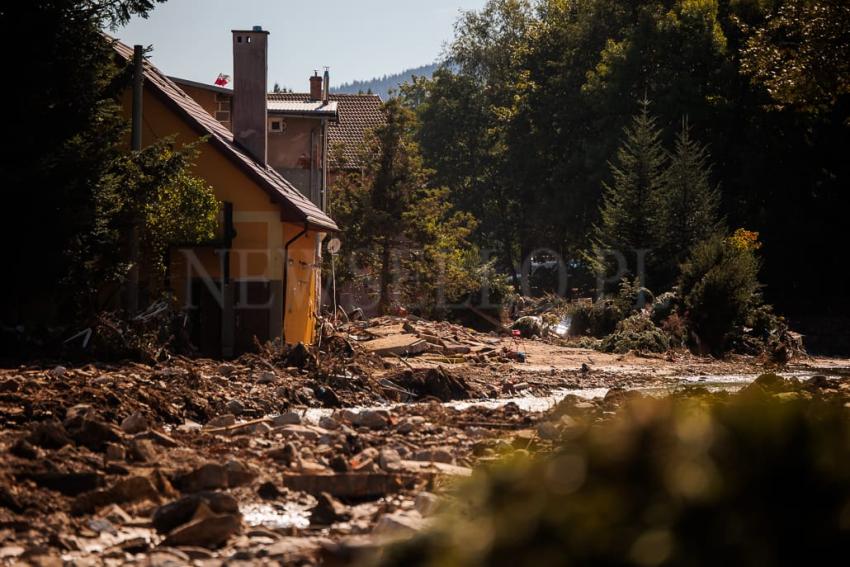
pixel 222 80
pixel 516 333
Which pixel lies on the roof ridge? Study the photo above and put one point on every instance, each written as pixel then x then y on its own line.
pixel 281 190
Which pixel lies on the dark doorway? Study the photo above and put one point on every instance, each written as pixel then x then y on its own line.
pixel 252 307
pixel 206 316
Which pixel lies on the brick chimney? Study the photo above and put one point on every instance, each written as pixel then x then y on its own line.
pixel 315 86
pixel 250 81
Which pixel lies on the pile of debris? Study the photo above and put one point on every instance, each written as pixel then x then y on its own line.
pixel 136 464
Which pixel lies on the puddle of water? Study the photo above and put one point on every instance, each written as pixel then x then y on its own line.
pixel 287 515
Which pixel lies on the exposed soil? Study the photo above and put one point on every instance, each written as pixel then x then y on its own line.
pixel 205 461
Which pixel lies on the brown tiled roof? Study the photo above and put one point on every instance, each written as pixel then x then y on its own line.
pixel 358 115
pixel 294 205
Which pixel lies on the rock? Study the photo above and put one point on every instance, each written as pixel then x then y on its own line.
pixel 426 503
pixel 286 454
pixel 820 382
pixel 166 557
pixel 25 450
pixel 238 474
pixel 225 420
pixel 339 464
pixel 437 455
pixel 115 514
pixel 328 511
pixel 91 433
pixel 226 369
pixel 327 422
pixel 410 424
pixel 50 435
pixel 189 426
pixel 80 410
pixel 211 531
pixel 102 525
pixel 235 407
pixel 267 378
pixel 69 483
pixel 9 500
pixel 130 489
pixel 303 432
pixel 57 372
pixel 529 326
pixel 197 553
pixel 210 476
pixel 389 460
pixel 168 517
pixel 548 430
pixel 373 419
pixel 268 491
pixel 134 423
pixel 770 382
pixel 159 438
pixel 399 524
pixel 288 418
pixel 143 450
pixel 115 452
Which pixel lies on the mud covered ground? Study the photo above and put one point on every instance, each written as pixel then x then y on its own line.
pixel 287 456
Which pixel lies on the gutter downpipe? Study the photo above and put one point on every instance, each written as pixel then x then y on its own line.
pixel 286 274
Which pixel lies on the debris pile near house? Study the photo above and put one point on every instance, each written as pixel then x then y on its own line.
pixel 181 462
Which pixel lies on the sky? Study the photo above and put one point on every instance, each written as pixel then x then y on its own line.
pixel 357 39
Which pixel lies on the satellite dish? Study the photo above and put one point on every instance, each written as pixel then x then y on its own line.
pixel 334 245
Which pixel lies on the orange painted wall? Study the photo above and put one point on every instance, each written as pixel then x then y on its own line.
pixel 257 251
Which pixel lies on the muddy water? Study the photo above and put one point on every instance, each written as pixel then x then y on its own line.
pixel 716 383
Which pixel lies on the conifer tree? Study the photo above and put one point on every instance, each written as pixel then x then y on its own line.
pixel 689 209
pixel 629 208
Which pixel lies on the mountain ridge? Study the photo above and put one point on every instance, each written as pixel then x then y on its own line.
pixel 383 85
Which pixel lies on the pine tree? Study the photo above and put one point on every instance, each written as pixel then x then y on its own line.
pixel 630 204
pixel 690 202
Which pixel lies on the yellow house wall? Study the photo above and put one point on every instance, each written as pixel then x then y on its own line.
pixel 257 252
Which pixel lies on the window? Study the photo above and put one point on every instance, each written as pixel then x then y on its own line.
pixel 277 126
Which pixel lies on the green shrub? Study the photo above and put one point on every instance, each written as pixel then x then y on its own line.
pixel 636 333
pixel 598 320
pixel 687 481
pixel 719 287
pixel 633 297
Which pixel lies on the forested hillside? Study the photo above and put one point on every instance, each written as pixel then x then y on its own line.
pixel 382 86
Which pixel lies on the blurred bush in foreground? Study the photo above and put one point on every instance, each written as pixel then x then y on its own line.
pixel 761 478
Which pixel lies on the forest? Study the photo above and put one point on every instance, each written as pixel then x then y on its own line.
pixel 565 129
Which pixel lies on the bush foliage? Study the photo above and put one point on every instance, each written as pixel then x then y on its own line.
pixel 719 288
pixel 693 480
